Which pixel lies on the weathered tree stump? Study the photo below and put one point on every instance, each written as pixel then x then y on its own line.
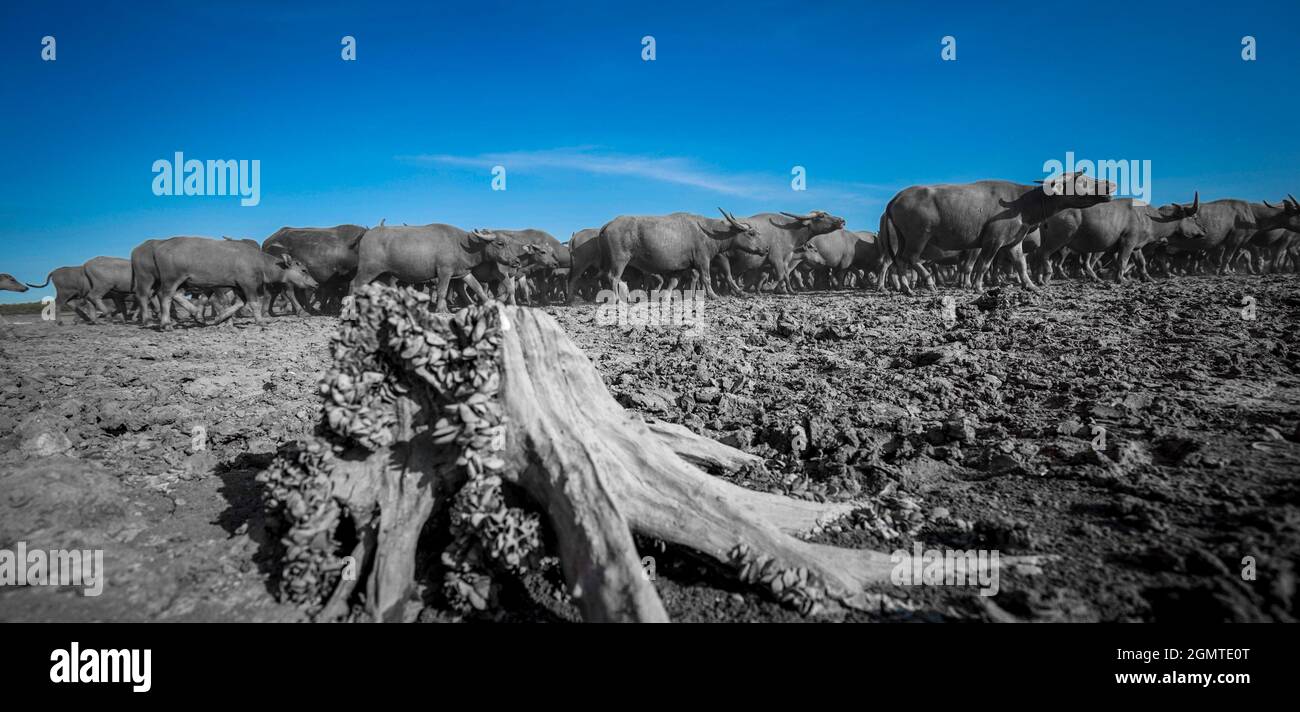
pixel 424 411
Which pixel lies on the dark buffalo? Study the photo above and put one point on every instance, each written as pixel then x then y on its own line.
pixel 70 287
pixel 584 254
pixel 988 216
pixel 671 244
pixel 432 253
pixel 1230 223
pixel 537 259
pixel 108 277
pixel 1125 226
pixel 780 234
pixel 145 281
pixel 204 265
pixel 1270 248
pixel 841 252
pixel 328 253
pixel 99 277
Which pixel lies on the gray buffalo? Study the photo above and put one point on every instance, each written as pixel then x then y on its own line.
pixel 70 287
pixel 1229 224
pixel 841 252
pixel 582 237
pixel 434 253
pixel 1125 226
pixel 9 284
pixel 145 282
pixel 780 234
pixel 1270 248
pixel 97 278
pixel 669 245
pixel 537 259
pixel 108 277
pixel 204 265
pixel 988 216
pixel 328 253
pixel 584 254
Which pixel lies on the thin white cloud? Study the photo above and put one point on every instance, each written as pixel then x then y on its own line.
pixel 674 170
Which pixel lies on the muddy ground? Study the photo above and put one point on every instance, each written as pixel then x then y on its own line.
pixel 1143 438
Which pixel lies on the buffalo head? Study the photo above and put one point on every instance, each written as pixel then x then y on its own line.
pixel 747 237
pixel 1289 217
pixel 540 255
pixel 810 254
pixel 1077 190
pixel 1188 225
pixel 818 222
pixel 497 248
pixel 295 272
pixel 8 283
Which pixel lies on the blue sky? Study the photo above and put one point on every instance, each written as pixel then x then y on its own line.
pixel 739 93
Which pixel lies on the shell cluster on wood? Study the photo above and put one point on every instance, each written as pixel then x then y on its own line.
pixel 796 587
pixel 390 344
pixel 299 487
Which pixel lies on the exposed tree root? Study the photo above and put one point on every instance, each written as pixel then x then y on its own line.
pixel 425 411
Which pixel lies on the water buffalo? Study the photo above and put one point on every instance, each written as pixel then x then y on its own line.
pixel 432 253
pixel 70 286
pixel 9 284
pixel 987 215
pixel 588 256
pixel 204 264
pixel 1270 247
pixel 672 244
pixel 1123 225
pixel 537 258
pixel 91 282
pixel 538 265
pixel 779 235
pixel 1230 223
pixel 584 254
pixel 108 277
pixel 328 253
pixel 841 252
pixel 144 282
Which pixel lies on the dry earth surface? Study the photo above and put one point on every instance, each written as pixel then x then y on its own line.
pixel 981 432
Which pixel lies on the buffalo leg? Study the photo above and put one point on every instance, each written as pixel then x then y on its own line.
pixel 166 292
pixel 1017 254
pixel 1141 261
pixel 119 303
pixel 255 296
pixel 442 283
pixel 1121 261
pixel 724 267
pixel 97 306
pixel 1088 269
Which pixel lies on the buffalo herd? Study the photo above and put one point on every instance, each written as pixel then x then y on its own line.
pixel 971 235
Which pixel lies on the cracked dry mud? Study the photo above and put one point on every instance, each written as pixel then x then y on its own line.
pixel 985 432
